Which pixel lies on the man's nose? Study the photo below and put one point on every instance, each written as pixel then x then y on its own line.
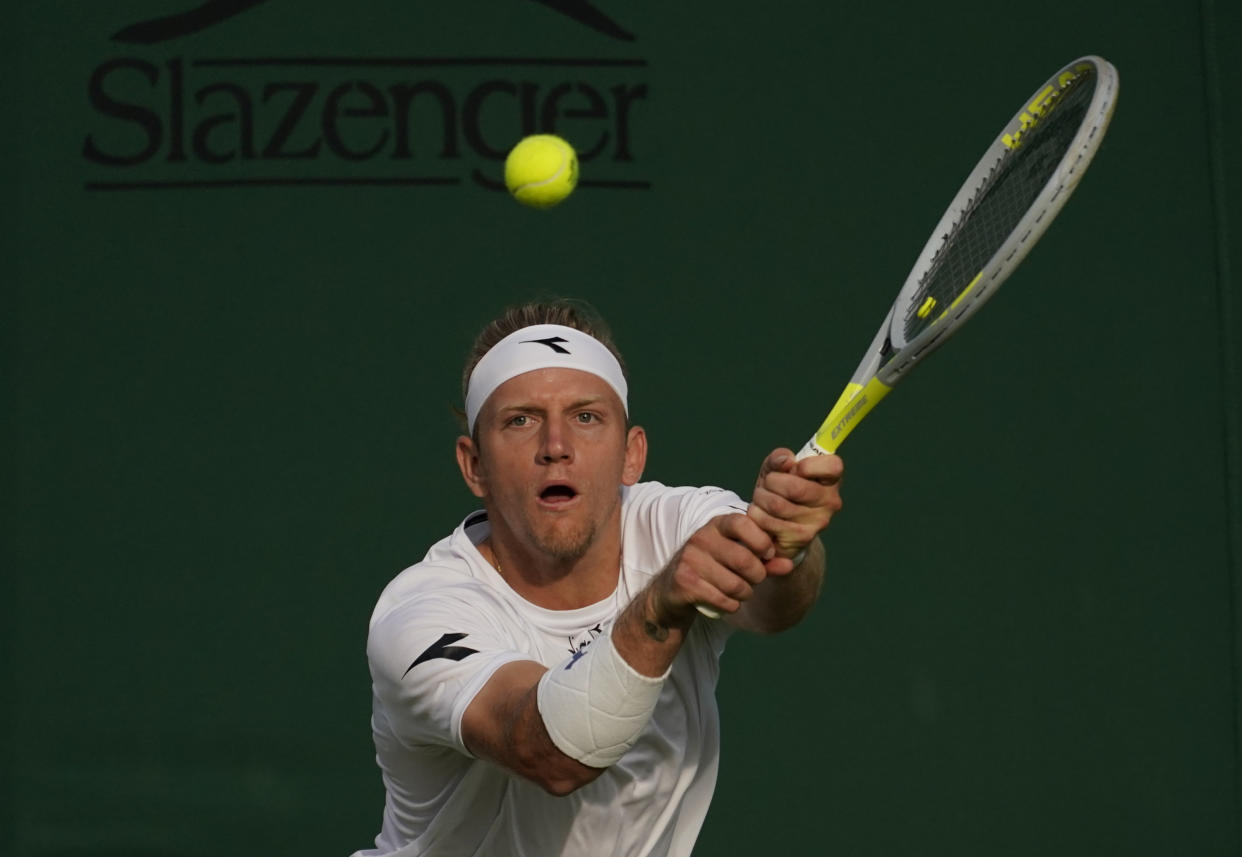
pixel 556 444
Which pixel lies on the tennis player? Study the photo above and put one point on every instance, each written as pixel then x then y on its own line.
pixel 543 682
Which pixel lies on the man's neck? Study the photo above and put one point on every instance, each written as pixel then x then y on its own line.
pixel 557 583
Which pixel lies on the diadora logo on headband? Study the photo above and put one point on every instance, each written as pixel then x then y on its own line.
pixel 553 342
pixel 508 359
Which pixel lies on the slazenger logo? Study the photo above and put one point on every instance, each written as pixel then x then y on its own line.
pixel 199 122
pixel 214 11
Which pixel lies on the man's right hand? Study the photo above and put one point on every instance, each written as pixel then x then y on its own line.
pixel 719 566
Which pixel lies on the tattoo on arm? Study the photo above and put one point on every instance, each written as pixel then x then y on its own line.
pixel 655 631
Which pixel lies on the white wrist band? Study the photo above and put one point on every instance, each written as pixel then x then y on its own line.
pixel 594 705
pixel 799 557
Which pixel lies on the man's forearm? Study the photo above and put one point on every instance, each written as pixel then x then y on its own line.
pixel 647 636
pixel 781 602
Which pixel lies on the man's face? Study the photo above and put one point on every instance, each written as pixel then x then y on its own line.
pixel 552 454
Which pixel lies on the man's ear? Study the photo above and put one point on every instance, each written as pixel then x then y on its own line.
pixel 471 467
pixel 635 455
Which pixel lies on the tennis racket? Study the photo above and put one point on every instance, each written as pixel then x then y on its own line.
pixel 1006 204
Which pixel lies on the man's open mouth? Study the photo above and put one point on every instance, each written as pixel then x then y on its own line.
pixel 557 493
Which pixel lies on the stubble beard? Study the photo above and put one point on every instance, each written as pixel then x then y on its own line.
pixel 562 541
pixel 566 546
pixel 565 542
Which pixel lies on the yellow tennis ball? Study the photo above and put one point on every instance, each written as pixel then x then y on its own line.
pixel 541 170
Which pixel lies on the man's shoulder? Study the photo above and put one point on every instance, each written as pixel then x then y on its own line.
pixel 646 497
pixel 433 600
pixel 657 519
pixel 446 580
pixel 441 583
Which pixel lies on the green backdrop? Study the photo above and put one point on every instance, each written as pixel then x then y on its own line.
pixel 248 252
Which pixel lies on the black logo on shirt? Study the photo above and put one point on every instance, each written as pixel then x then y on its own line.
pixel 441 648
pixel 553 342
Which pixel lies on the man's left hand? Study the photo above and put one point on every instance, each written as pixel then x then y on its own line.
pixel 794 500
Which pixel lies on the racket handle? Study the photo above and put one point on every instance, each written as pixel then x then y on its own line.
pixel 811 448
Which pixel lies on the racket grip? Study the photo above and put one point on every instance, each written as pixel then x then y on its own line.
pixel 811 448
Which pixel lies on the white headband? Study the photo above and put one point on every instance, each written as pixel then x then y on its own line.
pixel 541 346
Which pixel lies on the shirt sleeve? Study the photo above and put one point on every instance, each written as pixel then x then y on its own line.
pixel 660 519
pixel 703 504
pixel 430 655
pixel 664 518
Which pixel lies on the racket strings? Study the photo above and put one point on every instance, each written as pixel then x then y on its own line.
pixel 998 206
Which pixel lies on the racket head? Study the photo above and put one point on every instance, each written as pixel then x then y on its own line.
pixel 1007 202
pixel 1004 207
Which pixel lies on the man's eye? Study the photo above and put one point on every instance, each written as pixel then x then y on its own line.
pixel 519 420
pixel 586 417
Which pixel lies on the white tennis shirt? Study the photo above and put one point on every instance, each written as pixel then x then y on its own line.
pixel 444 626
